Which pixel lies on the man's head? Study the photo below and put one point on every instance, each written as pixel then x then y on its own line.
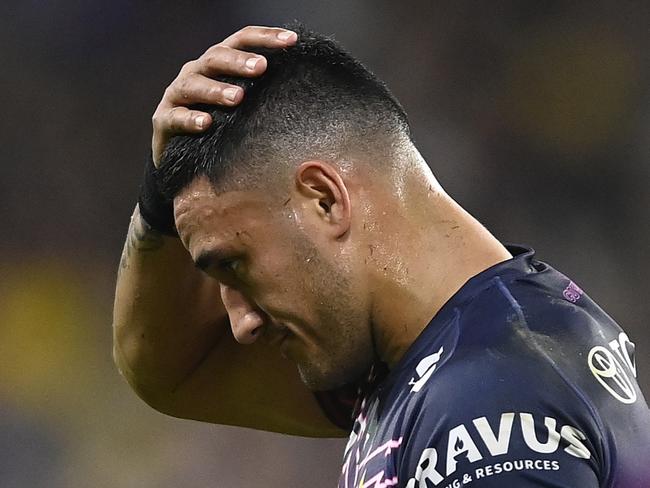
pixel 273 202
pixel 314 101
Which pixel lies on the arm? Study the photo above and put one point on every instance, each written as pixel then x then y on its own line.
pixel 172 339
pixel 164 314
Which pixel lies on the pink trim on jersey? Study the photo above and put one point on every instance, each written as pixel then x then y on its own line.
pixel 388 447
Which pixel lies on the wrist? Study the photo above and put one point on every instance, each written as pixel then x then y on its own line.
pixel 156 211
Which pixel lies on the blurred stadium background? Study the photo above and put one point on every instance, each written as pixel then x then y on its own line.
pixel 534 115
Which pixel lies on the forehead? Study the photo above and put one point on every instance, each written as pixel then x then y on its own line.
pixel 201 213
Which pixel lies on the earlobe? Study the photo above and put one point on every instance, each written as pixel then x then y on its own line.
pixel 322 184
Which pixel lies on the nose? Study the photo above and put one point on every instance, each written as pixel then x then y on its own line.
pixel 246 320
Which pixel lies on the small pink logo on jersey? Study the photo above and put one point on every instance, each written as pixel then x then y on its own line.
pixel 572 292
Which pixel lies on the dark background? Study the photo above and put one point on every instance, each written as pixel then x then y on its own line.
pixel 533 115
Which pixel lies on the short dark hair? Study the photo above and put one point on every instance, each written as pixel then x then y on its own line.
pixel 314 101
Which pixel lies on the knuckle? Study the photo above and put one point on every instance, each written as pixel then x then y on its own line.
pixel 158 117
pixel 184 87
pixel 212 48
pixel 221 45
pixel 210 59
pixel 212 95
pixel 169 92
pixel 223 58
pixel 187 67
pixel 267 31
pixel 176 120
pixel 214 91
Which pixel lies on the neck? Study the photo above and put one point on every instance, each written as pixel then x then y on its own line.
pixel 430 248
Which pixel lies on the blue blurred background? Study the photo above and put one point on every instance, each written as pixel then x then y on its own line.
pixel 534 115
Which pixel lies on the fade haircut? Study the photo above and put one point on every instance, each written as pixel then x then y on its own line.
pixel 315 101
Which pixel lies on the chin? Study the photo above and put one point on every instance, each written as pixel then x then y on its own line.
pixel 318 383
pixel 323 379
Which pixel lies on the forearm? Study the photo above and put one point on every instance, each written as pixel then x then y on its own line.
pixel 167 314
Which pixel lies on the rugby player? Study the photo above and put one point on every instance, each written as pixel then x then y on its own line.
pixel 294 266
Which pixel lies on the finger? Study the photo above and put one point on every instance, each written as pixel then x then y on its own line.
pixel 182 120
pixel 194 88
pixel 222 60
pixel 157 148
pixel 260 36
pixel 177 120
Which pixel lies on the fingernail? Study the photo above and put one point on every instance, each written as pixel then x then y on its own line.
pixel 200 121
pixel 230 94
pixel 251 63
pixel 287 35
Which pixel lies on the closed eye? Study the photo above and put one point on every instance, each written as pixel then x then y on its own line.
pixel 229 265
pixel 225 268
pixel 215 258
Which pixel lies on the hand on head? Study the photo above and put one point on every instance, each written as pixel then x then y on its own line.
pixel 195 82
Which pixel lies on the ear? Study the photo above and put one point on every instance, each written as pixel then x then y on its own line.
pixel 326 194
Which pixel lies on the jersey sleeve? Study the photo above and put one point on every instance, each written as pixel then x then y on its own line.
pixel 509 426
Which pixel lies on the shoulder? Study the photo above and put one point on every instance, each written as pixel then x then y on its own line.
pixel 522 385
pixel 497 416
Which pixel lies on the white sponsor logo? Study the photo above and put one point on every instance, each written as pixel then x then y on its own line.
pixel 461 444
pixel 612 368
pixel 424 370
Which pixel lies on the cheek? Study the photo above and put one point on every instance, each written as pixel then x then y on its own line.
pixel 283 290
pixel 338 346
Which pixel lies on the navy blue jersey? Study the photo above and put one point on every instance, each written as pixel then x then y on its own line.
pixel 520 380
